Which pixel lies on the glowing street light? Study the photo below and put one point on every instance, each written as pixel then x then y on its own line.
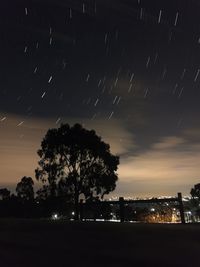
pixel 55 216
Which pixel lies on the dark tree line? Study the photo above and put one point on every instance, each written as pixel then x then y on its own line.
pixel 20 204
pixel 24 190
pixel 74 164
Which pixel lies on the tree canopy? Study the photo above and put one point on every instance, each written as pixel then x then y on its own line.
pixel 195 191
pixel 25 189
pixel 75 161
pixel 4 193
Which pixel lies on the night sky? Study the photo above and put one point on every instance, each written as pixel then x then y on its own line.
pixel 130 69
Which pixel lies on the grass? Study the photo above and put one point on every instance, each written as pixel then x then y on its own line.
pixel 59 243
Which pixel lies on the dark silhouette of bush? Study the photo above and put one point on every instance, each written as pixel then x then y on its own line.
pixel 195 200
pixel 4 193
pixel 24 189
pixel 195 192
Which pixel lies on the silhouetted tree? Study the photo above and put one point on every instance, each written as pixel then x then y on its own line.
pixel 195 201
pixel 25 189
pixel 4 193
pixel 77 161
pixel 43 193
pixel 195 192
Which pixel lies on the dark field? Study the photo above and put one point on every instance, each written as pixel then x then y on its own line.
pixel 58 243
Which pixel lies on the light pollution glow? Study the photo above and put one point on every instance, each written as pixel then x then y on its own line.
pixel 163 169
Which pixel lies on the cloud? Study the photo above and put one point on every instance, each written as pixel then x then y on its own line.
pixel 113 132
pixel 169 165
pixel 19 142
pixel 192 134
pixel 169 142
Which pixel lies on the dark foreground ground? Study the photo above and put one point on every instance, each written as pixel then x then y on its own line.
pixel 38 243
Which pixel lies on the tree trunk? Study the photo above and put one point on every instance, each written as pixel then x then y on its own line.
pixel 53 189
pixel 76 202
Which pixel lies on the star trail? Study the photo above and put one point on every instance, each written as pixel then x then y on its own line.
pixel 128 69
